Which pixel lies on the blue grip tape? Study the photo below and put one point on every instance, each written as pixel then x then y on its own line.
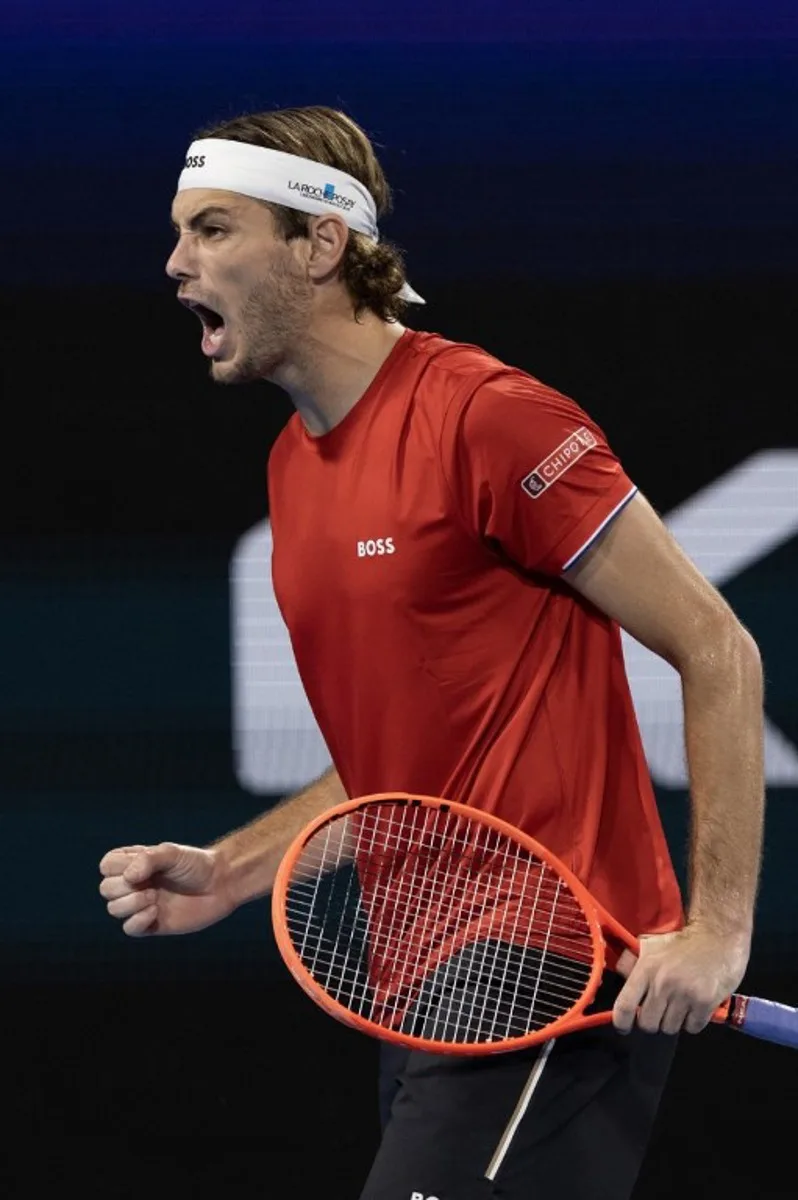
pixel 771 1021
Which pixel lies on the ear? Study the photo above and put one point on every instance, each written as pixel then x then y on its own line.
pixel 328 237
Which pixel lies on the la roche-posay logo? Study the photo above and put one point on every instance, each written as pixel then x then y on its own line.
pixel 327 194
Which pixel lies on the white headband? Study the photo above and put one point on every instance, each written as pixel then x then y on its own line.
pixel 286 179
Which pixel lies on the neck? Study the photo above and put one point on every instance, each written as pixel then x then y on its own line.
pixel 338 360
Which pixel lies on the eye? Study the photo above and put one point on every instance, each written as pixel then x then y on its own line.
pixel 213 231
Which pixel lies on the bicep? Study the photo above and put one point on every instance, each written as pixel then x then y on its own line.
pixel 638 575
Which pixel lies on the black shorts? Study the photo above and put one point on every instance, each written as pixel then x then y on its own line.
pixel 567 1121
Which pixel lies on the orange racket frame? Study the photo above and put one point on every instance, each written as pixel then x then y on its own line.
pixel 599 921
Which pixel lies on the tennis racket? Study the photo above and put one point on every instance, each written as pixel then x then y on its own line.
pixel 430 924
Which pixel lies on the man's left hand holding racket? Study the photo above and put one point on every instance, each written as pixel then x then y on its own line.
pixel 679 979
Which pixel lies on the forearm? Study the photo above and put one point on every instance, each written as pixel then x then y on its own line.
pixel 723 704
pixel 251 855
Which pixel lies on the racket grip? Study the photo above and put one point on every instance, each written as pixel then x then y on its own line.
pixel 765 1019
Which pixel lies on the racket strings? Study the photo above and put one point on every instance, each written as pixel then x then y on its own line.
pixel 464 886
pixel 391 940
pixel 334 960
pixel 422 920
pixel 386 945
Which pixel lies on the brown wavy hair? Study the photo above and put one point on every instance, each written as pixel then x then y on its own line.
pixel 373 274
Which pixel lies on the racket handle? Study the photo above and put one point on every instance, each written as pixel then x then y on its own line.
pixel 764 1019
pixel 757 1018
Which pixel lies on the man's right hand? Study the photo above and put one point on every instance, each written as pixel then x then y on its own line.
pixel 164 889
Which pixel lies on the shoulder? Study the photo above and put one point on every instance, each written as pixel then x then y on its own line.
pixel 446 369
pixel 511 395
pixel 465 383
pixel 455 359
pixel 469 383
pixel 476 405
pixel 511 408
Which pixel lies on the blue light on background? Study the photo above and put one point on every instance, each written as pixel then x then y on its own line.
pixel 625 138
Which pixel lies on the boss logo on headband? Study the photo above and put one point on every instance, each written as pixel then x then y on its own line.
pixel 327 194
pixel 195 160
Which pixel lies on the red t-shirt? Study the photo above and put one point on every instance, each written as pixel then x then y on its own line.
pixel 419 551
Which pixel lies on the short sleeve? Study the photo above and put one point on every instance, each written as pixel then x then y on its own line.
pixel 530 472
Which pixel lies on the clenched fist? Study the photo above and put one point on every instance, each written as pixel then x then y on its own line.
pixel 164 889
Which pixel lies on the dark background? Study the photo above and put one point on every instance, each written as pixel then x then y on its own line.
pixel 604 196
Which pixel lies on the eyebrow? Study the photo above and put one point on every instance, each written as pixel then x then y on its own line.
pixel 211 210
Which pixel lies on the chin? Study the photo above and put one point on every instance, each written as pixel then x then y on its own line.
pixel 223 372
pixel 240 369
pixel 231 371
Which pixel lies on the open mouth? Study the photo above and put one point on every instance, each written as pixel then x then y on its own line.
pixel 213 326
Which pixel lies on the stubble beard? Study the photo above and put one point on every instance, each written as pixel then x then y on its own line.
pixel 273 320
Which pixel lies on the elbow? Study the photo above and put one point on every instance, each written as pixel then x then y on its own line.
pixel 742 648
pixel 750 661
pixel 747 647
pixel 725 653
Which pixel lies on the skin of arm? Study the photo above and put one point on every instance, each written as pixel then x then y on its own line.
pixel 248 857
pixel 170 888
pixel 637 575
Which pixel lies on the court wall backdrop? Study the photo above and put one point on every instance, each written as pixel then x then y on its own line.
pixel 604 196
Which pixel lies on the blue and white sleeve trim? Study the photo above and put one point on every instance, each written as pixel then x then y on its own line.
pixel 600 530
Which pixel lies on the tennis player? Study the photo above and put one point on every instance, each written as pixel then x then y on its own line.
pixel 456 548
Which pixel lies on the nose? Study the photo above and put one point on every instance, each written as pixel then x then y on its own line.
pixel 178 265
